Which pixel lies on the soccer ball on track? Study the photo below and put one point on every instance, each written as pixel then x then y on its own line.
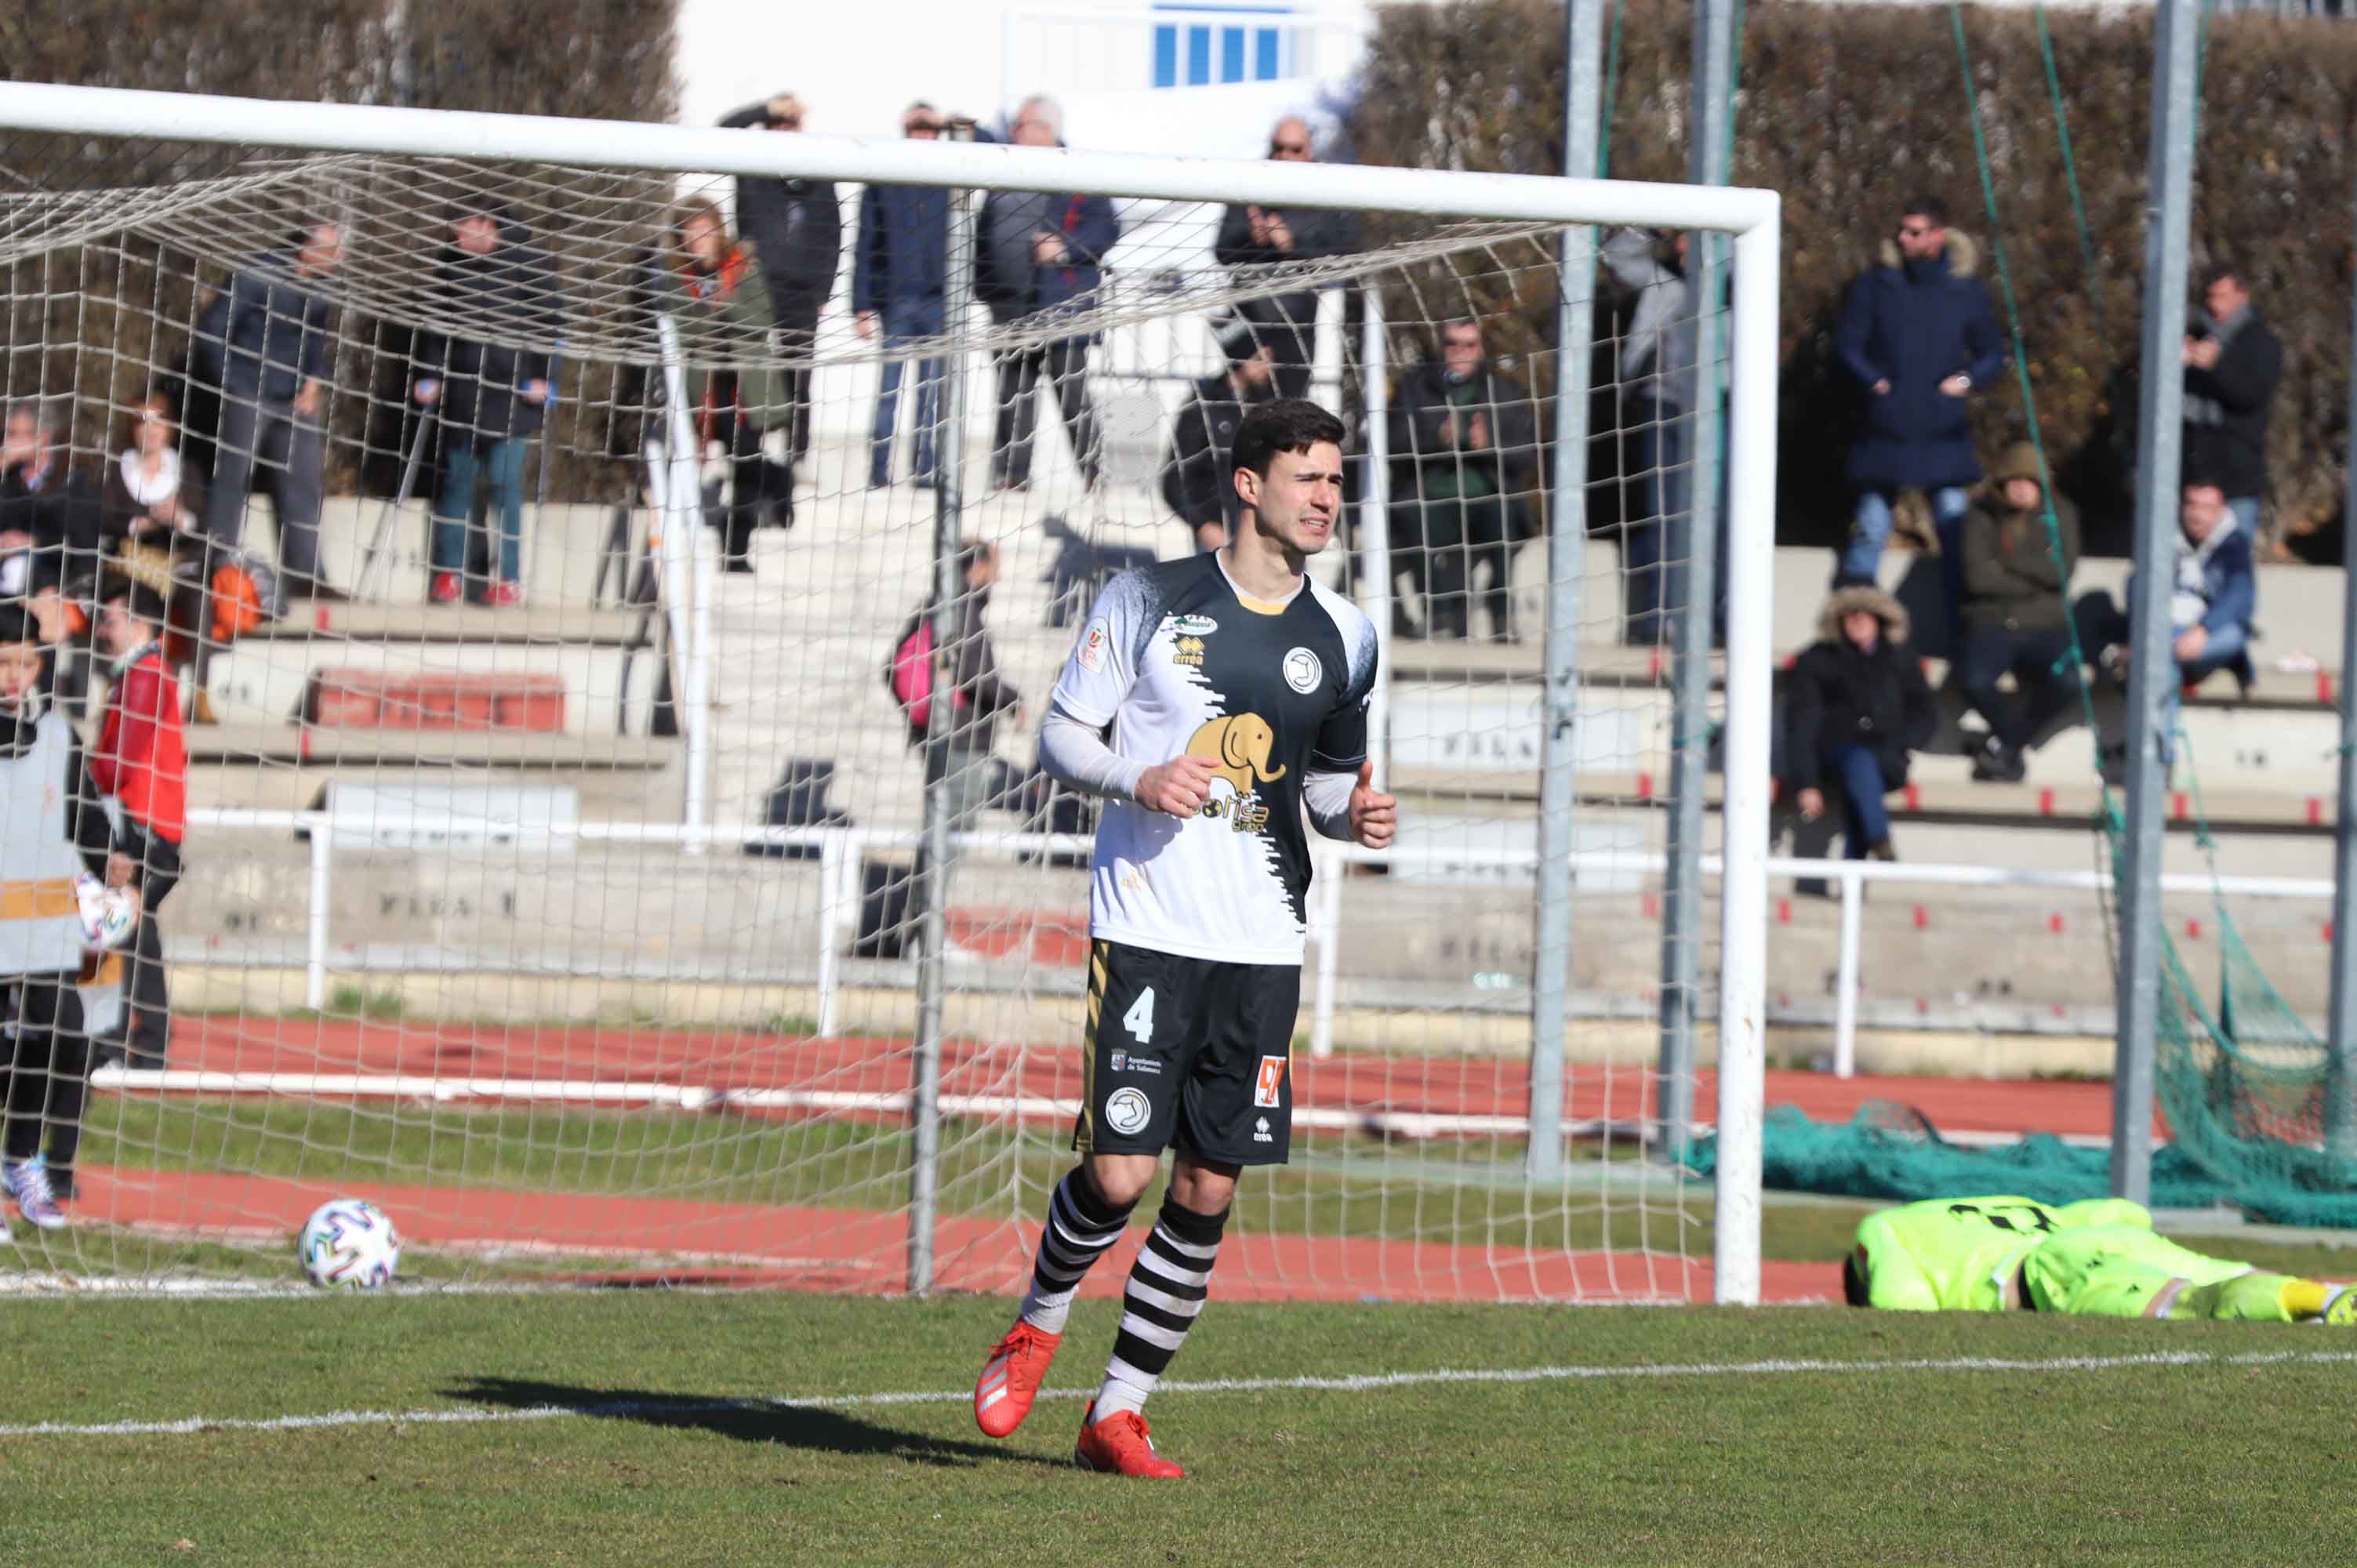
pixel 349 1244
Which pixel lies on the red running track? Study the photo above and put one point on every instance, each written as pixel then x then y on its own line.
pixel 727 1062
pixel 855 1250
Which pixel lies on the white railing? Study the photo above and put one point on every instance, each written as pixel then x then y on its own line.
pixel 841 851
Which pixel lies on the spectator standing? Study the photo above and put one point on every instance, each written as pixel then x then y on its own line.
pixel 49 515
pixel 141 761
pixel 51 832
pixel 715 295
pixel 1659 385
pixel 796 226
pixel 1469 442
pixel 264 343
pixel 1040 256
pixel 900 275
pixel 1252 235
pixel 492 395
pixel 1856 705
pixel 2015 615
pixel 1918 334
pixel 2233 364
pixel 1197 473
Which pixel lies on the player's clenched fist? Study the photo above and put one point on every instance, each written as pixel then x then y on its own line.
pixel 1374 816
pixel 1178 787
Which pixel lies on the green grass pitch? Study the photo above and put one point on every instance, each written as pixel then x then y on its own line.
pixel 1694 1436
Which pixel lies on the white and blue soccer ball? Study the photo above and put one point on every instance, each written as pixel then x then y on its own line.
pixel 350 1244
pixel 108 916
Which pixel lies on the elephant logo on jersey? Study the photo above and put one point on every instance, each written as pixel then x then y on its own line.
pixel 1238 745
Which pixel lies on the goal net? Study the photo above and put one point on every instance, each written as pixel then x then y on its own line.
pixel 538 561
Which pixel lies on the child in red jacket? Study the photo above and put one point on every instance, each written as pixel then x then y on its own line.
pixel 142 760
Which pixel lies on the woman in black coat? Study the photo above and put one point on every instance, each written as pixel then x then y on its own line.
pixel 1855 704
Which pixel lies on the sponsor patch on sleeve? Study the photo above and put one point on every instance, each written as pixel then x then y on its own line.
pixel 1095 642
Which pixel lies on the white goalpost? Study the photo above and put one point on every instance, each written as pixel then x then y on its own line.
pixel 465 926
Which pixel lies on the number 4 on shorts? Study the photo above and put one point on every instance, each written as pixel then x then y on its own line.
pixel 1139 1019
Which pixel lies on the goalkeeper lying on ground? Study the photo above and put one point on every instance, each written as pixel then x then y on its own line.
pixel 2099 1257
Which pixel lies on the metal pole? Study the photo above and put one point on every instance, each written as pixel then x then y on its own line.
pixel 1743 817
pixel 1566 535
pixel 2152 664
pixel 933 886
pixel 1846 981
pixel 315 918
pixel 1375 520
pixel 2340 1084
pixel 1688 591
pixel 681 501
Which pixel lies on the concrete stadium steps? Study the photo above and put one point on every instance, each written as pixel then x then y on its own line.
pixel 406 751
pixel 262 681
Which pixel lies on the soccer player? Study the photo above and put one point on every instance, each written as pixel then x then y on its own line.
pixel 2098 1258
pixel 1215 700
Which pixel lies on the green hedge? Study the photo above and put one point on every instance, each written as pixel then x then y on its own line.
pixel 1849 110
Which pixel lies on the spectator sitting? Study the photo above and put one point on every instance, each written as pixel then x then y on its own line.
pixel 1468 440
pixel 796 226
pixel 493 396
pixel 2209 608
pixel 263 342
pixel 722 307
pixel 150 497
pixel 142 760
pixel 2014 615
pixel 1039 252
pixel 2233 364
pixel 900 275
pixel 1918 334
pixel 1198 475
pixel 1657 373
pixel 1856 706
pixel 1259 236
pixel 49 516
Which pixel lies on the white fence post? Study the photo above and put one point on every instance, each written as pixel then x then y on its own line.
pixel 314 917
pixel 1853 896
pixel 1325 926
pixel 831 856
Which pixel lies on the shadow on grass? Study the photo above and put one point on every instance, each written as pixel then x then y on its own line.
pixel 745 1420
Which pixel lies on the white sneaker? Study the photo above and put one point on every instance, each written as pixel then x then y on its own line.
pixel 28 1184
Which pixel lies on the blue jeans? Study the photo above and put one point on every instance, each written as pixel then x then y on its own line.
pixel 904 323
pixel 2225 647
pixel 1866 822
pixel 1870 525
pixel 501 463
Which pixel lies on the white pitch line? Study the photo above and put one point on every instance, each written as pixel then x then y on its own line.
pixel 1357 1383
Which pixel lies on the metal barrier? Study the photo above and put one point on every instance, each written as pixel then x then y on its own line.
pixel 841 849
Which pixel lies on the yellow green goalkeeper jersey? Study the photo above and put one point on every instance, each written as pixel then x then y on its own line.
pixel 1958 1254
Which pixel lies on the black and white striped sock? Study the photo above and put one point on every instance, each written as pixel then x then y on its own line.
pixel 1167 1287
pixel 1082 1226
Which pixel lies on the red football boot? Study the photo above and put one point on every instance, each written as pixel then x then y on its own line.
pixel 1121 1445
pixel 1010 1378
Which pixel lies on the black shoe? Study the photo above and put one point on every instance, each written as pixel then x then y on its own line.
pixel 1993 762
pixel 736 563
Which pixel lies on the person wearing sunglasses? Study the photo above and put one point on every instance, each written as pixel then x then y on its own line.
pixel 796 227
pixel 1252 235
pixel 899 272
pixel 1917 335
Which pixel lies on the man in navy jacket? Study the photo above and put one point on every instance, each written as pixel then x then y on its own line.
pixel 1918 334
pixel 1040 253
pixel 898 272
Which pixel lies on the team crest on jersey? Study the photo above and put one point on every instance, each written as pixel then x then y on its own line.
pixel 1303 673
pixel 1193 626
pixel 1094 643
pixel 1188 652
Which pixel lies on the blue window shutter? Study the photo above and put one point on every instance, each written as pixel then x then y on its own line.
pixel 1166 55
pixel 1198 57
pixel 1264 54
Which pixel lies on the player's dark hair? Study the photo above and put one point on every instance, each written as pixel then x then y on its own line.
pixel 2220 272
pixel 16 624
pixel 1288 425
pixel 1930 206
pixel 143 602
pixel 1852 1283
